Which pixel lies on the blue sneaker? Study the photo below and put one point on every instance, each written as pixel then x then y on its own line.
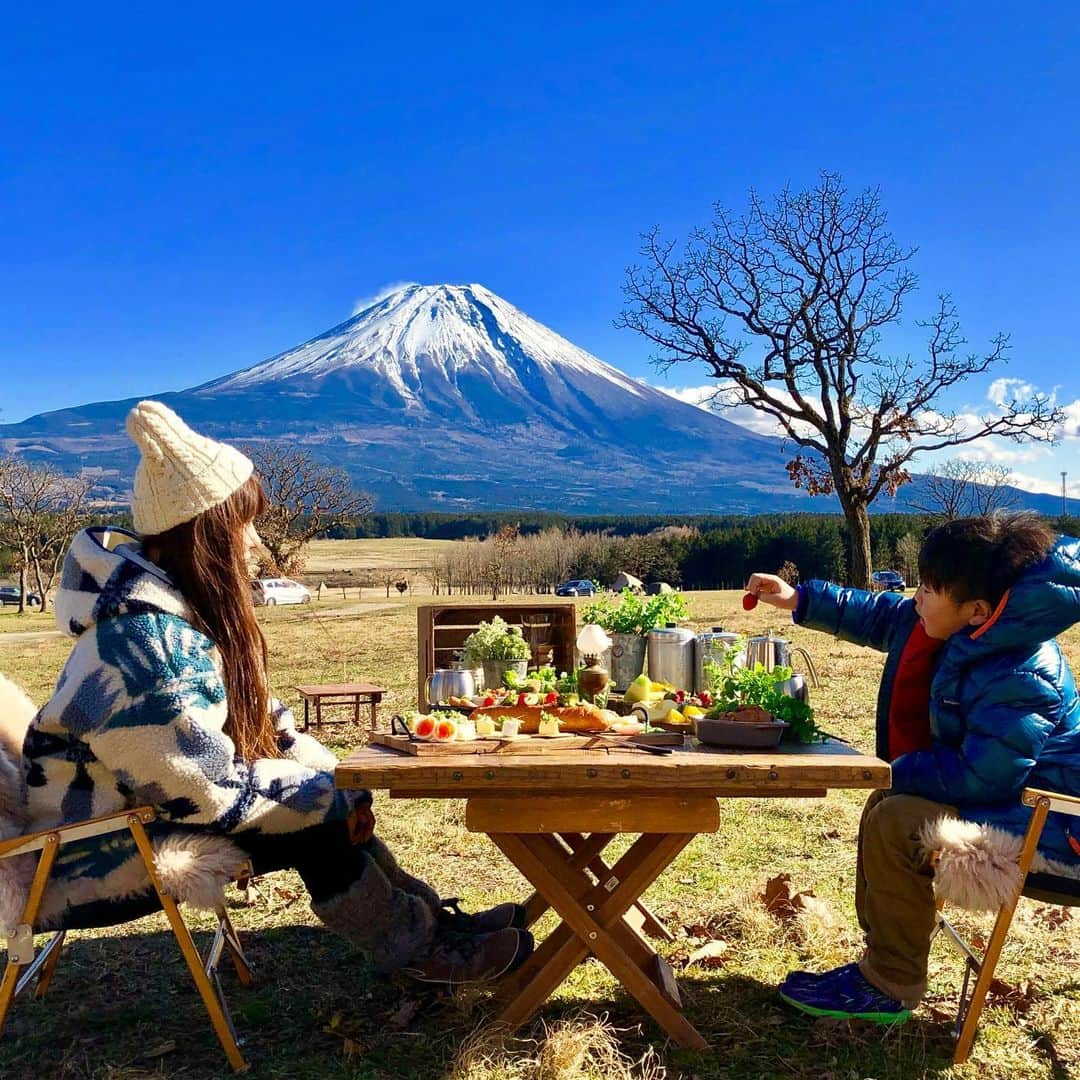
pixel 843 994
pixel 811 978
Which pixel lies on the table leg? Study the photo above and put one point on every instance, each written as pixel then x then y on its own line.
pixel 375 699
pixel 306 703
pixel 318 714
pixel 356 710
pixel 599 869
pixel 593 922
pixel 582 851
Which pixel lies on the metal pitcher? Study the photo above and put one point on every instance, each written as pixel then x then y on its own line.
pixel 711 647
pixel 444 683
pixel 772 652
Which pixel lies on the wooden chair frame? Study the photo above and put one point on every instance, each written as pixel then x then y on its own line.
pixel 971 1005
pixel 23 964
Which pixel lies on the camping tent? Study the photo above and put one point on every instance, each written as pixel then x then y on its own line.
pixel 627 581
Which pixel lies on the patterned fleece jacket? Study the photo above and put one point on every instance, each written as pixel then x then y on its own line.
pixel 137 718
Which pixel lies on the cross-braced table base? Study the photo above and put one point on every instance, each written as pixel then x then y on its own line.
pixel 556 843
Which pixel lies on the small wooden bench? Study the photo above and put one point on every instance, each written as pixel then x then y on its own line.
pixel 354 694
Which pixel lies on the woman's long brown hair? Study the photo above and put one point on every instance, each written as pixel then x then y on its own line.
pixel 206 559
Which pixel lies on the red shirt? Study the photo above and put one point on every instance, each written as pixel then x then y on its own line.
pixel 909 706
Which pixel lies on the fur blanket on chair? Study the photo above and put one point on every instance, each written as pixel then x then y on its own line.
pixel 977 866
pixel 193 867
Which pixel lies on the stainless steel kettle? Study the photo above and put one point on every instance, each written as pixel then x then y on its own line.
pixel 444 683
pixel 772 652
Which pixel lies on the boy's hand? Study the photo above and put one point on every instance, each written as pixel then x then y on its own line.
pixel 773 590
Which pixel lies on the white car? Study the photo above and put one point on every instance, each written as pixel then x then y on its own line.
pixel 271 591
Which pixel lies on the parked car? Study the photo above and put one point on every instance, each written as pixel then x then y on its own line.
pixel 269 592
pixel 888 580
pixel 577 587
pixel 9 594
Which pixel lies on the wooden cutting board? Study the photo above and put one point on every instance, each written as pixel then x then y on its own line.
pixel 523 744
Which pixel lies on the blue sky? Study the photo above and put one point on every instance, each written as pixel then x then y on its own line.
pixel 186 190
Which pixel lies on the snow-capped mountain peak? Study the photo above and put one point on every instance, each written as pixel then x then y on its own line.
pixel 435 346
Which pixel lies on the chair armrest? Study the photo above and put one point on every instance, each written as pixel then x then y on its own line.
pixel 1063 804
pixel 76 830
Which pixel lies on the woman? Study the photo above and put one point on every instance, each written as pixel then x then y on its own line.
pixel 164 701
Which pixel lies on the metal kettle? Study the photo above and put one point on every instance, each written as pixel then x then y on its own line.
pixel 772 652
pixel 444 683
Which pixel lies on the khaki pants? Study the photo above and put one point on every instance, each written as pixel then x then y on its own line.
pixel 894 893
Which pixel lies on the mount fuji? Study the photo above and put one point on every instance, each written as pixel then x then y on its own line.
pixel 448 397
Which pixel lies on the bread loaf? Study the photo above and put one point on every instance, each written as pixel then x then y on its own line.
pixel 571 717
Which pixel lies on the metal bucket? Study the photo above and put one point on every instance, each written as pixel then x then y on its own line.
pixel 671 656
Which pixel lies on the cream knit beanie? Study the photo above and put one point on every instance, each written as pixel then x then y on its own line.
pixel 181 473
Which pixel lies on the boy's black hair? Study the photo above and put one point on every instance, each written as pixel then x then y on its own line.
pixel 979 558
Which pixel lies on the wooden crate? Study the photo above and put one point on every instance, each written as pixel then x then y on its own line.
pixel 441 630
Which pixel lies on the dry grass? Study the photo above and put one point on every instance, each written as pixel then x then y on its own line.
pixel 120 995
pixel 398 553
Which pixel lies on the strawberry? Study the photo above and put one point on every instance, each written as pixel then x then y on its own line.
pixel 749 602
pixel 521 699
pixel 551 699
pixel 488 701
pixel 706 697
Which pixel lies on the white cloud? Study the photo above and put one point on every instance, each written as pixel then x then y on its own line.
pixel 379 294
pixel 723 398
pixel 1002 391
pixel 1044 462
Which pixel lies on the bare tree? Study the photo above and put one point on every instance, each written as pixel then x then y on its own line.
pixel 305 498
pixel 41 509
pixel 959 488
pixel 907 557
pixel 787 305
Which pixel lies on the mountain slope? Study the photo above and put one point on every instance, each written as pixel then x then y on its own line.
pixel 449 397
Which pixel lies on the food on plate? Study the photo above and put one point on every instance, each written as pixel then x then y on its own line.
pixel 582 717
pixel 748 714
pixel 627 725
pixel 549 725
pixel 485 727
pixel 643 689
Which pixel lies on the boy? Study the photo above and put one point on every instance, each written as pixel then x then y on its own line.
pixel 976 702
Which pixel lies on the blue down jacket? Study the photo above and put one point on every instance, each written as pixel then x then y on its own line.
pixel 1004 710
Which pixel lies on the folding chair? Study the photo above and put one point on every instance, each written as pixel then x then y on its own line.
pixel 1046 888
pixel 23 965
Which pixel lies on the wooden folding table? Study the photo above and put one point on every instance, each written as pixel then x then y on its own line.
pixel 553 814
pixel 326 694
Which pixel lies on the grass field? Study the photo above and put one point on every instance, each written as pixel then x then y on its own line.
pixel 121 1006
pixel 405 553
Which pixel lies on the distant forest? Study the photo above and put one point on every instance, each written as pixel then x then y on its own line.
pixel 693 552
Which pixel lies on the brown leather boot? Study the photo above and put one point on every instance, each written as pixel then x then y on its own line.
pixel 500 917
pixel 458 957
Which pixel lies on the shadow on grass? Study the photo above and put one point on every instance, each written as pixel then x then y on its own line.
pixel 752 1034
pixel 125 1007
